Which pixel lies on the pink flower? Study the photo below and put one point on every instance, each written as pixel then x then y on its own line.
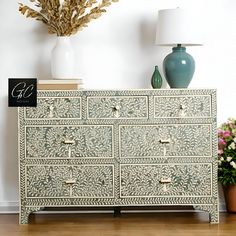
pixel 220 151
pixel 221 145
pixel 220 132
pixel 221 142
pixel 226 133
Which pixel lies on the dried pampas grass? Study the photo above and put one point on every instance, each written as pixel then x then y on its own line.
pixel 68 17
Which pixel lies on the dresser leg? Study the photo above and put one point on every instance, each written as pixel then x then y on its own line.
pixel 213 212
pixel 117 211
pixel 25 212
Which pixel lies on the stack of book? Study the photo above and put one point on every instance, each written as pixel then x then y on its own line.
pixel 60 84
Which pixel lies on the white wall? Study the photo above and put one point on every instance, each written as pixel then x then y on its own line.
pixel 115 51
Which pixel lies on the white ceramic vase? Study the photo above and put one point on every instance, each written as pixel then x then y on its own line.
pixel 62 59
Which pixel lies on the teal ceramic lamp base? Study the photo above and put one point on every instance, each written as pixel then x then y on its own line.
pixel 179 67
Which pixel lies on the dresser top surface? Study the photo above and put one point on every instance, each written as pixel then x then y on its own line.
pixel 120 92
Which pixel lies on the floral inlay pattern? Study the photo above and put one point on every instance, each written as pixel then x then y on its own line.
pixel 117 107
pixel 54 108
pixel 165 140
pixel 47 181
pixel 95 181
pixel 185 180
pixel 87 141
pixel 183 106
pixel 84 181
pixel 119 148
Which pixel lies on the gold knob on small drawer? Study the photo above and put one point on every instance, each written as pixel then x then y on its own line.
pixel 164 141
pixel 68 141
pixel 116 110
pixel 165 180
pixel 51 109
pixel 70 181
pixel 182 107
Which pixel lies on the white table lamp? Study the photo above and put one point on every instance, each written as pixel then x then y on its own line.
pixel 178 28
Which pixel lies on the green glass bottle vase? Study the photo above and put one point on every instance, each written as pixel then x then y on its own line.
pixel 156 80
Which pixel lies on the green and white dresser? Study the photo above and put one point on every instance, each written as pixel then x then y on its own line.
pixel 119 148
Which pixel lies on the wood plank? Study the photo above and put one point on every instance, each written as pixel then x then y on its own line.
pixel 151 224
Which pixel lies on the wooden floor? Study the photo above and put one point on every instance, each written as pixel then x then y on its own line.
pixel 151 224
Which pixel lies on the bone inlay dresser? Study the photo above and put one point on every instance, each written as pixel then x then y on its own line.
pixel 119 148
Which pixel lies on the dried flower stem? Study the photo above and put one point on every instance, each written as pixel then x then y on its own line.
pixel 67 18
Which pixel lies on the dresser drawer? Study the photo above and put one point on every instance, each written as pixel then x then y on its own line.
pixel 55 108
pixel 117 107
pixel 91 141
pixel 156 180
pixel 83 181
pixel 165 140
pixel 182 106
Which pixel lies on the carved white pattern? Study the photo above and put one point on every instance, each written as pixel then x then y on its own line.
pixel 54 181
pixel 93 182
pixel 182 180
pixel 117 107
pixel 183 106
pixel 92 173
pixel 47 181
pixel 146 140
pixel 49 141
pixel 53 108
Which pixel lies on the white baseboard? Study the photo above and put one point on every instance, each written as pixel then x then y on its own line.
pixel 9 207
pixel 13 207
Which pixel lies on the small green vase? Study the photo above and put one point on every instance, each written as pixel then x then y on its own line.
pixel 156 80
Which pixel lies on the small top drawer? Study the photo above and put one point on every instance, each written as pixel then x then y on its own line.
pixel 55 108
pixel 117 107
pixel 197 106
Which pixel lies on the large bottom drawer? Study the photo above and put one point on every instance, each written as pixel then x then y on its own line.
pixel 173 180
pixel 75 181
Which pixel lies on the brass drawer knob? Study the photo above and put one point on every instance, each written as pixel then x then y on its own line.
pixel 116 110
pixel 70 181
pixel 182 109
pixel 164 141
pixel 165 180
pixel 51 110
pixel 68 141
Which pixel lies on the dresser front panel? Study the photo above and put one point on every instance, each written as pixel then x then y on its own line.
pixel 119 107
pixel 56 181
pixel 194 106
pixel 55 108
pixel 93 141
pixel 165 140
pixel 174 180
pixel 114 148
